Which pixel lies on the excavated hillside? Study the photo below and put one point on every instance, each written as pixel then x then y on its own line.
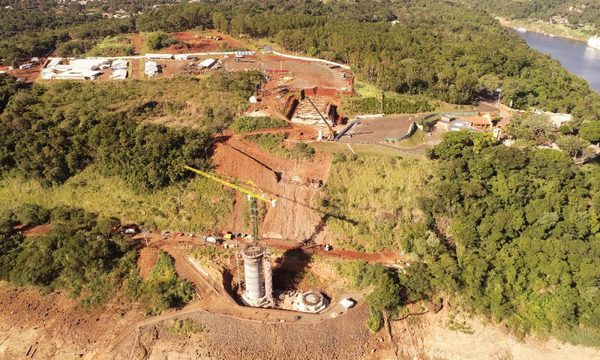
pixel 296 184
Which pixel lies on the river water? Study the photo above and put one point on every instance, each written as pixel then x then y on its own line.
pixel 574 56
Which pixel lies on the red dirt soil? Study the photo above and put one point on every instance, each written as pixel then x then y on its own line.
pixel 146 260
pixel 39 230
pixel 295 215
pixel 137 42
pixel 27 75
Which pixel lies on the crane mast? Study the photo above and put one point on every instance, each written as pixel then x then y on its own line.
pixel 251 196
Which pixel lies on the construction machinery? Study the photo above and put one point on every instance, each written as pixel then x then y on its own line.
pixel 332 132
pixel 257 265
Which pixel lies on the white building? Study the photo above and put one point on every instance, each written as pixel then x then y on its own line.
pixel 119 64
pixel 182 57
pixel 78 75
pixel 77 69
pixel 119 74
pixel 82 65
pixel 159 56
pixel 151 68
pixel 53 62
pixel 557 119
pixel 205 64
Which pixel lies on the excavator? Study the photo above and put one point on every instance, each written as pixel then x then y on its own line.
pixel 252 196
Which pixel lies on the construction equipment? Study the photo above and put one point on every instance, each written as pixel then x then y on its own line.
pixel 331 131
pixel 257 265
pixel 251 195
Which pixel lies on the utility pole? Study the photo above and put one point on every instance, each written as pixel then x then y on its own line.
pixel 383 102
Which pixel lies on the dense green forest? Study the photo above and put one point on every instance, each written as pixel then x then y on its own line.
pixel 512 234
pixel 440 49
pixel 524 234
pixel 86 255
pixel 578 12
pixel 52 132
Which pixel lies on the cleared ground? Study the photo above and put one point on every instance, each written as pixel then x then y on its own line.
pixel 373 131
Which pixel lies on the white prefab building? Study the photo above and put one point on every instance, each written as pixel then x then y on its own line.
pixel 205 64
pixel 77 69
pixel 120 74
pixel 347 303
pixel 159 56
pixel 182 57
pixel 151 68
pixel 53 62
pixel 82 65
pixel 119 64
pixel 48 74
pixel 78 75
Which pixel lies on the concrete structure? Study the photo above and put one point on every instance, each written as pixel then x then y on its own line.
pixel 310 302
pixel 347 303
pixel 450 124
pixel 181 56
pixel 258 277
pixel 53 62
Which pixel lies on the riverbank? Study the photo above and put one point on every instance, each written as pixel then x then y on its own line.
pixel 549 29
pixel 575 56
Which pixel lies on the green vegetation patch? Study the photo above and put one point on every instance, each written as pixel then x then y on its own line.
pixel 163 289
pixel 185 327
pixel 159 40
pixel 81 254
pixel 113 46
pixel 54 131
pixel 273 143
pixel 372 105
pixel 524 228
pixel 388 290
pixel 373 198
pixel 194 206
pixel 248 124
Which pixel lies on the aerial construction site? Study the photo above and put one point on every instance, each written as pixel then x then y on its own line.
pixel 274 261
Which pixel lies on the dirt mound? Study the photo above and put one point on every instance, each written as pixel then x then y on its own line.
pixel 146 260
pixel 296 214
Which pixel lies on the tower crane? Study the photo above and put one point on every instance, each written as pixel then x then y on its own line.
pixel 251 196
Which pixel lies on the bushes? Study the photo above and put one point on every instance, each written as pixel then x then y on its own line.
pixel 273 144
pixel 371 105
pixel 80 253
pixel 524 231
pixel 112 46
pixel 84 255
pixel 162 289
pixel 371 197
pixel 50 138
pixel 251 123
pixel 159 40
pixel 148 157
